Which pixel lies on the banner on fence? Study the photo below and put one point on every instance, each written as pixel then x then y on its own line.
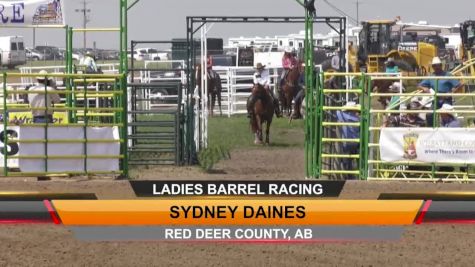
pixel 19 118
pixel 431 145
pixel 12 149
pixel 32 12
pixel 79 164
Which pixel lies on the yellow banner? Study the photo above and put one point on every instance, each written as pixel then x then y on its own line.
pixel 19 118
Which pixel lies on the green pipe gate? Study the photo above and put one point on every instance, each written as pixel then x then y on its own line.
pixel 112 112
pixel 324 141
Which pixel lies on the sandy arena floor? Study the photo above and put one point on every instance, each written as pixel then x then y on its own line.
pixel 48 245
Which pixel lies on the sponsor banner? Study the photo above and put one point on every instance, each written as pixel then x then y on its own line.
pixel 18 118
pixel 62 149
pixel 12 148
pixel 431 145
pixel 32 12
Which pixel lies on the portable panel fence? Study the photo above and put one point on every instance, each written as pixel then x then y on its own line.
pixel 156 110
pixel 344 140
pixel 90 138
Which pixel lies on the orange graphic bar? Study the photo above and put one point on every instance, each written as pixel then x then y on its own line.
pixel 237 212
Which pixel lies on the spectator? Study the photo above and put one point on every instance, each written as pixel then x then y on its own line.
pixel 448 118
pixel 442 86
pixel 408 119
pixel 89 62
pixel 349 132
pixel 43 100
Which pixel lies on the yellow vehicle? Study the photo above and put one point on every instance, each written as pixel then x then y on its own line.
pixel 380 40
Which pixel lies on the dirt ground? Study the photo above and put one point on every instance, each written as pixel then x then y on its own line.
pixel 49 245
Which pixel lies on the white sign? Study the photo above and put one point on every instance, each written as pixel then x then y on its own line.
pixel 31 12
pixel 439 145
pixel 105 148
pixel 12 148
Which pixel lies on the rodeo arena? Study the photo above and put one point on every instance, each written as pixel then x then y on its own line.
pixel 385 100
pixel 379 105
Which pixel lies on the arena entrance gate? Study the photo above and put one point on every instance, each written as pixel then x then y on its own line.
pixel 196 117
pixel 155 110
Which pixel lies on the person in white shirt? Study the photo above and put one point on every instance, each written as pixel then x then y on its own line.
pixel 42 100
pixel 262 77
pixel 89 62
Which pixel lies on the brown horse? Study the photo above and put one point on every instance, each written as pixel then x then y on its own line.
pixel 263 111
pixel 214 88
pixel 382 86
pixel 290 88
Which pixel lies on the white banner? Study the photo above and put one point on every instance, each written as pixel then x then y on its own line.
pixel 12 148
pixel 62 149
pixel 439 145
pixel 32 12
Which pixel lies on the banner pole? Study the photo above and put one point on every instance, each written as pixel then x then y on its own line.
pixel 5 126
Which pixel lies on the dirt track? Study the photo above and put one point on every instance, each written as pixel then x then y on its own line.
pixel 48 245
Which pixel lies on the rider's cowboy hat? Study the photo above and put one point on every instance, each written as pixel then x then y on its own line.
pixel 42 75
pixel 436 61
pixel 259 66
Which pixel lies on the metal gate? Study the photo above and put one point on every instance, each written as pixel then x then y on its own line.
pixel 155 111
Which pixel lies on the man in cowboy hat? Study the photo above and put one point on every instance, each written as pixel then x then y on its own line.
pixel 45 98
pixel 442 86
pixel 89 62
pixel 262 77
pixel 448 118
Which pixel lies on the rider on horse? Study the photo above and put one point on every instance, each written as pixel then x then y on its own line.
pixel 262 77
pixel 288 62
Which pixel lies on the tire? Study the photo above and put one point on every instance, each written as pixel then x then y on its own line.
pixel 156 58
pixel 36 58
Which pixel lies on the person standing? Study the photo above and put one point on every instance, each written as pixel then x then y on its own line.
pixel 442 86
pixel 45 97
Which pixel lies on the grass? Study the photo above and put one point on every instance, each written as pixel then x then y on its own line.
pixel 226 134
pixel 235 132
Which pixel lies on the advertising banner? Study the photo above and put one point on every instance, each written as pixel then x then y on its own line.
pixel 438 145
pixel 61 149
pixel 31 12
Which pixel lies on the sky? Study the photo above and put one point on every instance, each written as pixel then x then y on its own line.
pixel 165 19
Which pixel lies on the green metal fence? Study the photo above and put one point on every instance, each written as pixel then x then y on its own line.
pixel 82 109
pixel 324 141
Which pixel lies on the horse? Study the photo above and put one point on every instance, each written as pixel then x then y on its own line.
pixel 214 88
pixel 290 88
pixel 263 111
pixel 382 86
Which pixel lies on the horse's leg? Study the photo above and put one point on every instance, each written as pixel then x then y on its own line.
pixel 268 122
pixel 213 98
pixel 258 140
pixel 219 103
